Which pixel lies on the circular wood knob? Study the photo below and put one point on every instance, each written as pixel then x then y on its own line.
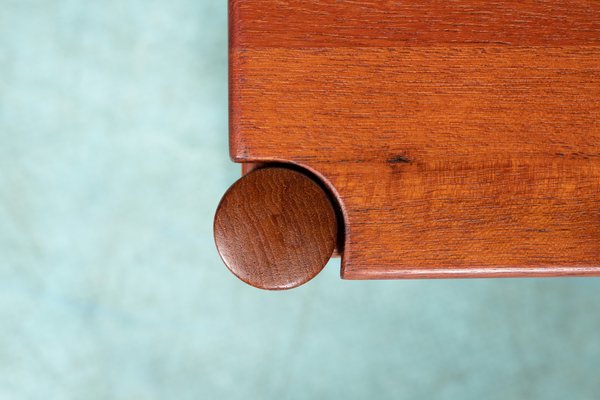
pixel 275 228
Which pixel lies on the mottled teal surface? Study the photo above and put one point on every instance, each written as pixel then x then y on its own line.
pixel 113 157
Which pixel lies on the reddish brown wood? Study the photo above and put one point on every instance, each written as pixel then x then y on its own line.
pixel 462 139
pixel 393 23
pixel 275 228
pixel 249 167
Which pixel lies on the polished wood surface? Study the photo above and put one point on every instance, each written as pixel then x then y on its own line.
pixel 461 139
pixel 275 228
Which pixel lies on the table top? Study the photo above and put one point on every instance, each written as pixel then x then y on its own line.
pixel 459 139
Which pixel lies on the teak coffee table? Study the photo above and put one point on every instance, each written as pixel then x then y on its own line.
pixel 416 139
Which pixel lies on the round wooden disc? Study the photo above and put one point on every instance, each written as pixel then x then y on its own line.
pixel 275 228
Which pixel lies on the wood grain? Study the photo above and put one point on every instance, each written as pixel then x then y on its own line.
pixel 275 228
pixel 393 23
pixel 461 138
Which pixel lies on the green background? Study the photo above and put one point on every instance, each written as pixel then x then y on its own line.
pixel 113 157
